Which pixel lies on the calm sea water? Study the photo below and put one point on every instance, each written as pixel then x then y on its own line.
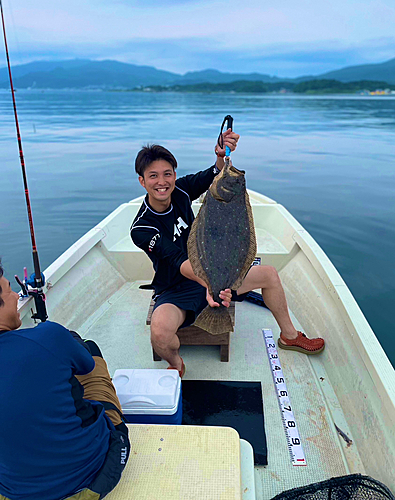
pixel 329 160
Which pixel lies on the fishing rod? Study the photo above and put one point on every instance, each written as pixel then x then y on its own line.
pixel 38 281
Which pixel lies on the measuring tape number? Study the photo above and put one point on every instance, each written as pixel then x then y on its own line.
pixel 289 422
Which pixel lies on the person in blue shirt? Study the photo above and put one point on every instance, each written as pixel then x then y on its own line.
pixel 61 426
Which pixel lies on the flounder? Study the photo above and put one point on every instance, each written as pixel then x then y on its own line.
pixel 222 243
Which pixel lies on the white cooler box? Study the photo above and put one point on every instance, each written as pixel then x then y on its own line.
pixel 149 396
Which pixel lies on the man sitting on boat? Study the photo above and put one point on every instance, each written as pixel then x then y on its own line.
pixel 61 431
pixel 161 228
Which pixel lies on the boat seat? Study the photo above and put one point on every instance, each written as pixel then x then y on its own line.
pixel 168 462
pixel 193 335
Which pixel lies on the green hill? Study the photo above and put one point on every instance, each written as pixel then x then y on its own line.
pixel 85 74
pixel 336 87
pixel 384 72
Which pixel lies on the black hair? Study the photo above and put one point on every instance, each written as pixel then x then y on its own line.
pixel 150 153
pixel 1 274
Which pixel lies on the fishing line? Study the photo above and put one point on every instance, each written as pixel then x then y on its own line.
pixel 14 34
pixel 38 294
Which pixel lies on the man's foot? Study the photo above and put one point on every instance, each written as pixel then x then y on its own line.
pixel 182 371
pixel 302 344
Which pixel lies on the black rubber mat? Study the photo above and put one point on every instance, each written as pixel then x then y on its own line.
pixel 227 404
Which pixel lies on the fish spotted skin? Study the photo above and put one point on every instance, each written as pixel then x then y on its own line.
pixel 222 243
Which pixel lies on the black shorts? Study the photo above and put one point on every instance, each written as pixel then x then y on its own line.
pixel 189 296
pixel 117 456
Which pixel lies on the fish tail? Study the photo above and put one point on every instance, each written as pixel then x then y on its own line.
pixel 215 320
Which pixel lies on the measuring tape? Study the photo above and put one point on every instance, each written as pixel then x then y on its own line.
pixel 289 422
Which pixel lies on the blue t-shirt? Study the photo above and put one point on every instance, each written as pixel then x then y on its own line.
pixel 52 441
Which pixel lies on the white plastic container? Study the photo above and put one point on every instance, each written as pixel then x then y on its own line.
pixel 149 396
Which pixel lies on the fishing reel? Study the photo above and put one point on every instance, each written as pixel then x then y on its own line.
pixel 30 288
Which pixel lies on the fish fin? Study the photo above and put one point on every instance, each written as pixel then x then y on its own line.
pixel 193 247
pixel 215 320
pixel 252 247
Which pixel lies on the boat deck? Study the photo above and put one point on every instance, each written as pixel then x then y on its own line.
pixel 119 328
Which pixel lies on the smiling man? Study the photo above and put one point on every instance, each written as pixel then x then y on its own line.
pixel 161 228
pixel 61 431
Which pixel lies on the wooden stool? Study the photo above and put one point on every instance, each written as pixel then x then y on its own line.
pixel 193 335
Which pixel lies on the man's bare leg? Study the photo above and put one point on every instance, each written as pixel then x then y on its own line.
pixel 267 278
pixel 165 321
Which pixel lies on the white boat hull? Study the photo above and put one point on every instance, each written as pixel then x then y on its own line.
pixel 350 385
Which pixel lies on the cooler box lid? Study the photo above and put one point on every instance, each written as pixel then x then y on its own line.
pixel 146 389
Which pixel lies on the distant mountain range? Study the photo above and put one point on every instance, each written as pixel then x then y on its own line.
pixel 85 74
pixel 384 72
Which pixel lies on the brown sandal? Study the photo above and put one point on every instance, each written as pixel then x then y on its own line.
pixel 302 344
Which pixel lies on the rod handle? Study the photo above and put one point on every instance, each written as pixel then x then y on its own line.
pixel 229 125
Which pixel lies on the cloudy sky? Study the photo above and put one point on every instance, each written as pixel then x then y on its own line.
pixel 279 37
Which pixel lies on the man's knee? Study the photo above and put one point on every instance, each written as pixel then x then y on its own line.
pixel 90 345
pixel 273 274
pixel 165 322
pixel 268 276
pixel 162 335
pixel 93 348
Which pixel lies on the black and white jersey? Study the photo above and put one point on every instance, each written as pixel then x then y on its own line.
pixel 163 235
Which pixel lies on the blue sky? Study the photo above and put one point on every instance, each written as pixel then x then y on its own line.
pixel 285 38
